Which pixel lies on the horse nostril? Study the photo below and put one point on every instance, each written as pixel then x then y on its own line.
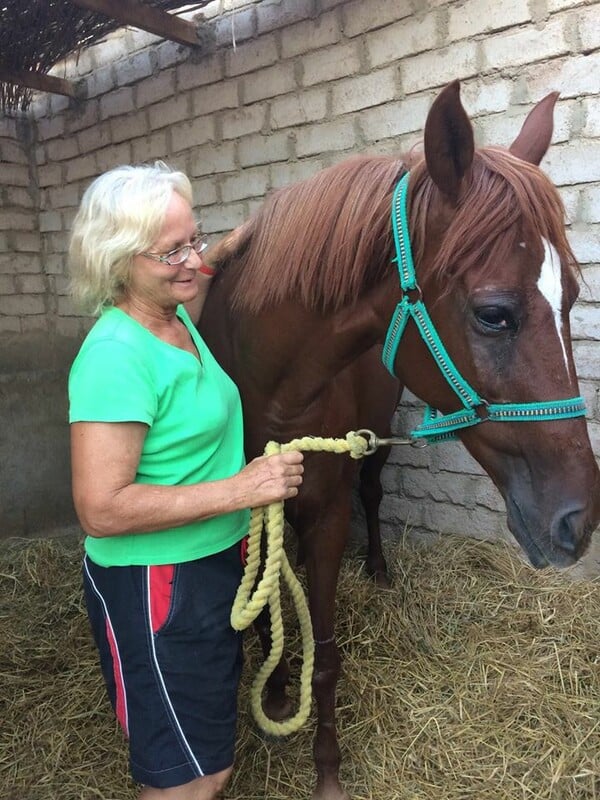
pixel 568 529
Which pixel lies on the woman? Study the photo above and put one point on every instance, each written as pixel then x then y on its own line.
pixel 159 481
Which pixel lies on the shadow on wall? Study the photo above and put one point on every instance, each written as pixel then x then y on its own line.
pixel 35 478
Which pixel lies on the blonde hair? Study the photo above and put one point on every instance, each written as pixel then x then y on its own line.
pixel 120 215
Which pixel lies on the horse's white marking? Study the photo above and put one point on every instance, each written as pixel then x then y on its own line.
pixel 550 286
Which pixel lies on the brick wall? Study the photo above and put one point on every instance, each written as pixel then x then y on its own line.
pixel 34 454
pixel 307 83
pixel 22 284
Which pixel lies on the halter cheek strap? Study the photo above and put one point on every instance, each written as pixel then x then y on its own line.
pixel 435 426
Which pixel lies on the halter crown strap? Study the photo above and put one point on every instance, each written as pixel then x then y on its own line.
pixel 475 409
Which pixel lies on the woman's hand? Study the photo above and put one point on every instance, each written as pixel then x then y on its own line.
pixel 268 479
pixel 230 244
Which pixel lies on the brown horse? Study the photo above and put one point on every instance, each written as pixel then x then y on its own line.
pixel 300 310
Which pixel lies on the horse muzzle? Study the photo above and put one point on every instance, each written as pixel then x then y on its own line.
pixel 559 540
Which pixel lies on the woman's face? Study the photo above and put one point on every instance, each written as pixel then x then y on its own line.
pixel 159 285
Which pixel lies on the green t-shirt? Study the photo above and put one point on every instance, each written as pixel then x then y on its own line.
pixel 123 373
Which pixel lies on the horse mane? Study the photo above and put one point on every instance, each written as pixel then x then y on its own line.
pixel 322 241
pixel 326 240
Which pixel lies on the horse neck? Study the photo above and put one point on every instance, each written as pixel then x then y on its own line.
pixel 291 354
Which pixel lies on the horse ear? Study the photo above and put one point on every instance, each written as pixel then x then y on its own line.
pixel 534 139
pixel 448 140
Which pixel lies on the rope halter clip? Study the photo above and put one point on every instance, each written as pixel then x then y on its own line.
pixel 374 442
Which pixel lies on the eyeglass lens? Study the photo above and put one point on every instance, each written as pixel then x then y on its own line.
pixel 183 253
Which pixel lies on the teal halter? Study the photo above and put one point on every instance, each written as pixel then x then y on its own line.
pixel 475 408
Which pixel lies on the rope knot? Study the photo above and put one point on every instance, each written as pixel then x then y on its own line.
pixel 357 445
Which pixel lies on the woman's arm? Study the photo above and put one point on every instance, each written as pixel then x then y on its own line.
pixel 213 256
pixel 105 456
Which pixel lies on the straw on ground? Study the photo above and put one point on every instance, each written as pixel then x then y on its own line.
pixel 474 677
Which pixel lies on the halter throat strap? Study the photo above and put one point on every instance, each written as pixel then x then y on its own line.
pixel 436 427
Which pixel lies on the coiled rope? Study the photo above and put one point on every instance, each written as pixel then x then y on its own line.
pixel 248 604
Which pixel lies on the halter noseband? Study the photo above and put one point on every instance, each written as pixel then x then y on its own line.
pixel 475 408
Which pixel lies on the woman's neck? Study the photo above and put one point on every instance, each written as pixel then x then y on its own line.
pixel 152 316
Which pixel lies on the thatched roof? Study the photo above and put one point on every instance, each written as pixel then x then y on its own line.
pixel 37 34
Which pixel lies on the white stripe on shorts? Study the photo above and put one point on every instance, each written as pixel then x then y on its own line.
pixel 184 741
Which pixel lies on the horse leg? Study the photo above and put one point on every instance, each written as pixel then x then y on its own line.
pixel 276 704
pixel 371 493
pixel 324 547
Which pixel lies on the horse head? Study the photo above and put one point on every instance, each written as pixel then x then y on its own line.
pixel 498 278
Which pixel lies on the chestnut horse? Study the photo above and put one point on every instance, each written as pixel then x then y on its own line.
pixel 301 308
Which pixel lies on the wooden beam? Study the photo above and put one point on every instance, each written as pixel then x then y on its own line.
pixel 147 18
pixel 38 81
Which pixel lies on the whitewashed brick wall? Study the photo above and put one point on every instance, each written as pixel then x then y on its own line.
pixel 307 83
pixel 23 288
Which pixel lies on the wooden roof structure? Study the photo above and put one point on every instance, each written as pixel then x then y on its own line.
pixel 37 34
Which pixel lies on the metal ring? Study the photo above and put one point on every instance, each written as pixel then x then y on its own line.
pixel 372 440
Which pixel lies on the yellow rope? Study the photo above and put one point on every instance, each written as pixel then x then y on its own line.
pixel 247 605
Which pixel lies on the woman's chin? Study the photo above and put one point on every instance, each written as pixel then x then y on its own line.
pixel 186 289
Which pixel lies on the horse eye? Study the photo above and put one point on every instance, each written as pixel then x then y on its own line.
pixel 496 319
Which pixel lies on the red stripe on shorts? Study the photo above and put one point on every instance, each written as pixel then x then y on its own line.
pixel 120 703
pixel 244 551
pixel 160 586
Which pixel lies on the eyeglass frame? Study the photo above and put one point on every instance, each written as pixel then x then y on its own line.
pixel 198 246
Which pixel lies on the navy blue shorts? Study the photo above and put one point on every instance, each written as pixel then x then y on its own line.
pixel 171 662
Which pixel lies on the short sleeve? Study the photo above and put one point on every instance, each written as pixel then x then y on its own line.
pixel 110 381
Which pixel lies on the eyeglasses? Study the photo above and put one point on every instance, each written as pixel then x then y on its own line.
pixel 181 254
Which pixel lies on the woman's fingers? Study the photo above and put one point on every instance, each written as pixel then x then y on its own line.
pixel 229 245
pixel 275 477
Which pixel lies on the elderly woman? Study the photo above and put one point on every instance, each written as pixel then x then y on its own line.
pixel 159 481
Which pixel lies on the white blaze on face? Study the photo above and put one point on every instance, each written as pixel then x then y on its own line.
pixel 550 286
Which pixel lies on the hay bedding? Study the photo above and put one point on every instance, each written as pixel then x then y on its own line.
pixel 474 677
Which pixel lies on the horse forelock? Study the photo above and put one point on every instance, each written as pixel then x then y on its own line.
pixel 323 241
pixel 505 201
